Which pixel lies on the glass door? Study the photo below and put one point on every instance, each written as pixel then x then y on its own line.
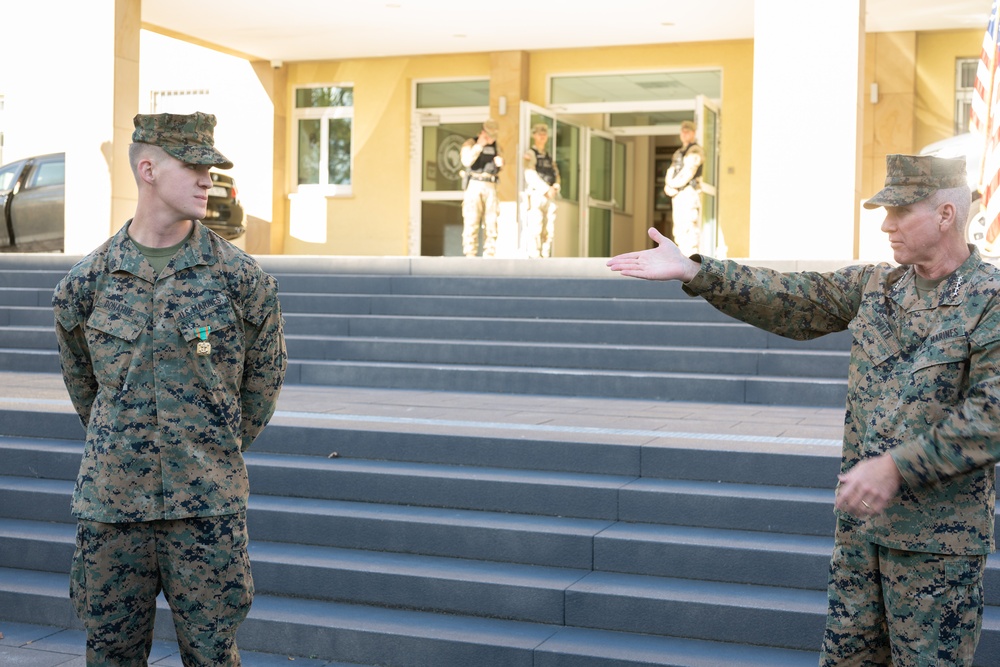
pixel 436 218
pixel 599 186
pixel 707 121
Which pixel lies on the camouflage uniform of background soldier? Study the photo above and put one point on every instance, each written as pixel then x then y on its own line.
pixel 173 357
pixel 541 187
pixel 482 161
pixel 915 500
pixel 683 185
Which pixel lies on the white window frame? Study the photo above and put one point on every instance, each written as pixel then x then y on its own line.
pixel 963 95
pixel 324 114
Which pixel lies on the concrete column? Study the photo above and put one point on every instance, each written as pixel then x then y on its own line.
pixel 508 86
pixel 805 165
pixel 125 93
pixel 274 79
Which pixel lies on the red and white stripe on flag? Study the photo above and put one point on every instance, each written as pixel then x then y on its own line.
pixel 985 119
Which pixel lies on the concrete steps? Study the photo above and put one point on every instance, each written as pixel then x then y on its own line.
pixel 423 548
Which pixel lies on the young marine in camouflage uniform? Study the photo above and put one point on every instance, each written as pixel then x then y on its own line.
pixel 915 499
pixel 173 354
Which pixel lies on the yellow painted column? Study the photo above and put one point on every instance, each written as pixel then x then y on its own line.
pixel 508 86
pixel 807 111
pixel 273 76
pixel 890 83
pixel 124 195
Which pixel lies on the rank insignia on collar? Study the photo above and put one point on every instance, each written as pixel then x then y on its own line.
pixel 957 286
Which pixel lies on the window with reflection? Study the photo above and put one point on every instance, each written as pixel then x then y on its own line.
pixel 324 122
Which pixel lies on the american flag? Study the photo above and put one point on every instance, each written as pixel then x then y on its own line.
pixel 985 120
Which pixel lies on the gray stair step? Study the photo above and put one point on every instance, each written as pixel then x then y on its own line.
pixel 320 281
pixel 37 545
pixel 715 554
pixel 400 440
pixel 28 278
pixel 42 424
pixel 796 510
pixel 729 333
pixel 494 536
pixel 787 618
pixel 40 457
pixel 701 360
pixel 28 338
pixel 631 452
pixel 26 296
pixel 27 316
pixel 779 462
pixel 524 306
pixel 36 499
pixel 574 382
pixel 449 585
pixel 435 485
pixel 29 361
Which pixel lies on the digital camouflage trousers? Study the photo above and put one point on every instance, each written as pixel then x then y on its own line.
pixel 892 608
pixel 200 564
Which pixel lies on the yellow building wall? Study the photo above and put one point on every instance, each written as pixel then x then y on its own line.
pixel 890 64
pixel 915 76
pixel 914 72
pixel 375 219
pixel 934 112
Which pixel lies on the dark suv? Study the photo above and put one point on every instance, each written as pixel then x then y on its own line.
pixel 225 213
pixel 33 196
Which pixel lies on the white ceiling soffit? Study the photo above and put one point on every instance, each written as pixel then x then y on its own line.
pixel 339 29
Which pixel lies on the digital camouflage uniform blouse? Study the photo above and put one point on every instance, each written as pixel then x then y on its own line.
pixel 166 426
pixel 924 383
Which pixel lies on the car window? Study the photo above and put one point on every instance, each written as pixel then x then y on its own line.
pixel 7 175
pixel 48 173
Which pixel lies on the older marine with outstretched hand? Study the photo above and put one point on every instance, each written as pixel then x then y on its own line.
pixel 915 495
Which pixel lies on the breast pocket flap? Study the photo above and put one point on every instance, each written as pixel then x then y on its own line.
pixel 115 325
pixel 207 323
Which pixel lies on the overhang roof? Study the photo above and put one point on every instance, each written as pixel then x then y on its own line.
pixel 296 30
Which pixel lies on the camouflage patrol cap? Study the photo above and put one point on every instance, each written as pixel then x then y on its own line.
pixel 539 127
pixel 492 128
pixel 189 138
pixel 911 178
pixel 688 125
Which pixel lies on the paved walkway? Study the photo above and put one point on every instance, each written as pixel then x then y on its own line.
pixel 706 425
